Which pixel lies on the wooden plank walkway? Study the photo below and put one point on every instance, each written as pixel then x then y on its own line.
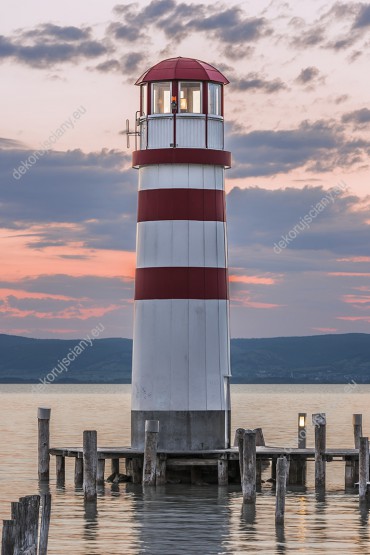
pixel 266 452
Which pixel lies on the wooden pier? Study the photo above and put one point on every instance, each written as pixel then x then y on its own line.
pixel 176 459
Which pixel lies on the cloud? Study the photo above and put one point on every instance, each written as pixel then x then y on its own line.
pixel 359 117
pixel 341 229
pixel 311 37
pixel 229 25
pixel 255 82
pixel 129 64
pixel 363 17
pixel 70 197
pixel 319 146
pixel 48 45
pixel 310 76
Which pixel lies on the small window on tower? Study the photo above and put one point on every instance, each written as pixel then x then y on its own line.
pixel 161 98
pixel 144 99
pixel 214 99
pixel 190 98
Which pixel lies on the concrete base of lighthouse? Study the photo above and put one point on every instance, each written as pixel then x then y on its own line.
pixel 184 430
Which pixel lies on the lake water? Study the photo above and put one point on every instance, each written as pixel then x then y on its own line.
pixel 185 519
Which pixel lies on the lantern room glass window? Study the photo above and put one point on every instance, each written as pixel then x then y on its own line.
pixel 190 97
pixel 161 98
pixel 144 99
pixel 214 99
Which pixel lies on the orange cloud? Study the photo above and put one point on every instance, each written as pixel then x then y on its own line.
pixel 19 260
pixel 355 259
pixel 354 299
pixel 244 299
pixel 75 312
pixel 255 280
pixel 355 318
pixel 349 274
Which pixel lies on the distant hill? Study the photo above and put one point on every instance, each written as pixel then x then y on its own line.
pixel 340 358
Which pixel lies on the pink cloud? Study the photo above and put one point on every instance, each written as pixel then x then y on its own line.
pixel 255 280
pixel 326 330
pixel 355 259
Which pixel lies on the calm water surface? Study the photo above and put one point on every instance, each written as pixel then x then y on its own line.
pixel 184 519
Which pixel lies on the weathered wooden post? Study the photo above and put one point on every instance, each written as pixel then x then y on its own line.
pixel 363 468
pixel 32 510
pixel 90 462
pixel 260 442
pixel 137 470
pixel 114 466
pixel 249 466
pixel 281 480
pixel 319 421
pixel 150 452
pixel 8 538
pixel 43 415
pixel 357 429
pixel 60 462
pixel 349 473
pixel 100 472
pixel 161 469
pixel 79 472
pixel 223 470
pixel 45 523
pixel 238 442
pixel 17 514
pixel 357 433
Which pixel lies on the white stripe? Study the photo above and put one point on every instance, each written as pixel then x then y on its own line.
pixel 181 176
pixel 181 243
pixel 180 355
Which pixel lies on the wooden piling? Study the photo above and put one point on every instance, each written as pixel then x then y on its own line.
pixel 45 523
pixel 43 416
pixel 100 472
pixel 79 472
pixel 357 433
pixel 90 462
pixel 8 538
pixel 114 466
pixel 249 466
pixel 137 470
pixel 281 480
pixel 161 469
pixel 260 442
pixel 223 470
pixel 319 421
pixel 150 452
pixel 363 468
pixel 357 429
pixel 60 470
pixel 32 510
pixel 238 442
pixel 349 473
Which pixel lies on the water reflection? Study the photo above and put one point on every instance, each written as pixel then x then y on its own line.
pixel 280 539
pixel 91 521
pixel 181 519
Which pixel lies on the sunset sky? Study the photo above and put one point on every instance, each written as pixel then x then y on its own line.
pixel 297 123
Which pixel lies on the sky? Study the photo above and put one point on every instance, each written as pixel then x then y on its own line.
pixel 297 123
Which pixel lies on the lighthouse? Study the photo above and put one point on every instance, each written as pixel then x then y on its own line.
pixel 181 347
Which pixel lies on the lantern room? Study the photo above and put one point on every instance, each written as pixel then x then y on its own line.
pixel 181 105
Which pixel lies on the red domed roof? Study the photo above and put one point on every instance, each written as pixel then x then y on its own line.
pixel 182 68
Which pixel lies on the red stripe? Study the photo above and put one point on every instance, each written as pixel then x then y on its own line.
pixel 181 283
pixel 181 156
pixel 181 204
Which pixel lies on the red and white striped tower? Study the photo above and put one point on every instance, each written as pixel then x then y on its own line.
pixel 181 354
